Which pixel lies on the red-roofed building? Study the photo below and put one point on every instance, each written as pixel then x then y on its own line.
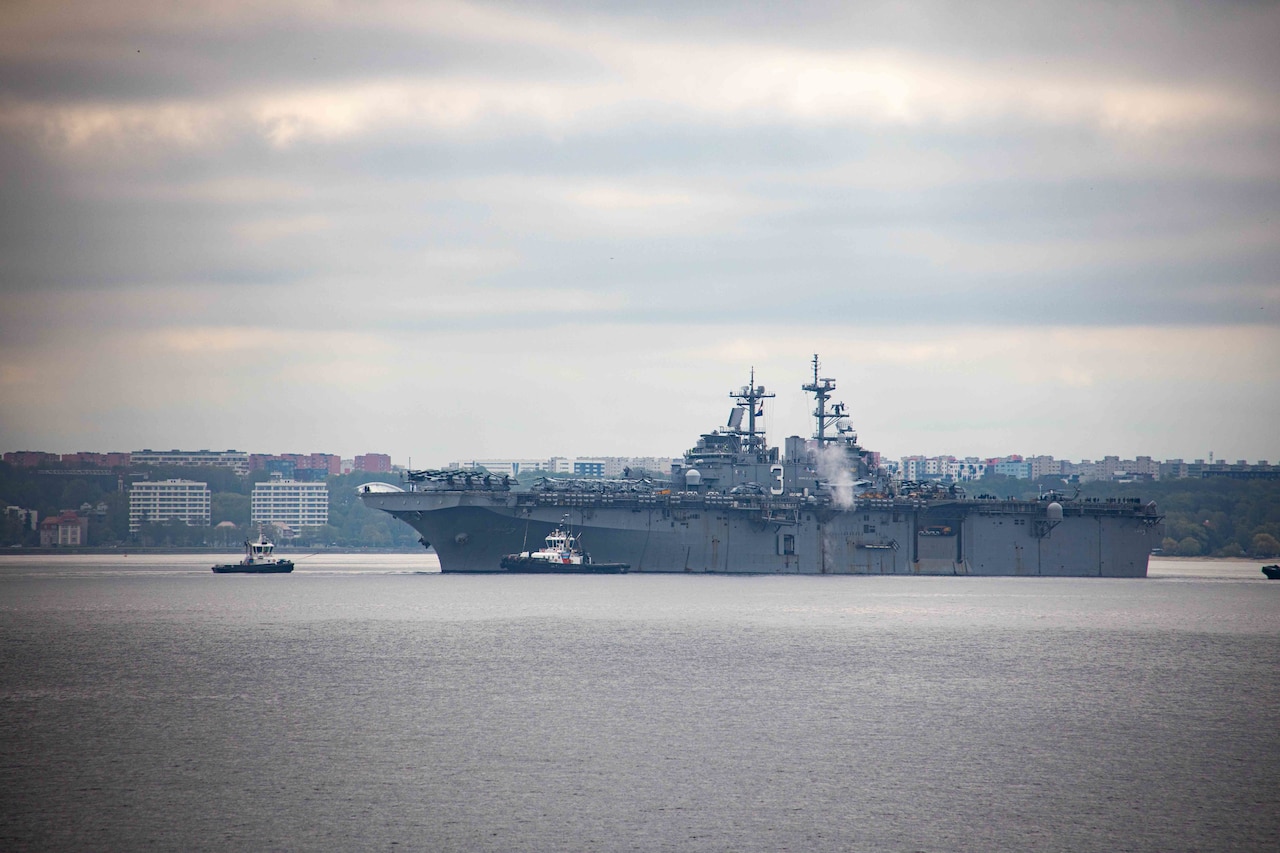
pixel 68 528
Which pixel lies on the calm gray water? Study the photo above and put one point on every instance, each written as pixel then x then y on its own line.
pixel 356 704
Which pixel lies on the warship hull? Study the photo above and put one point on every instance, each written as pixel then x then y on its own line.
pixel 472 531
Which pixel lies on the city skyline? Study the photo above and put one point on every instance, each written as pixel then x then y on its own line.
pixel 453 229
pixel 243 462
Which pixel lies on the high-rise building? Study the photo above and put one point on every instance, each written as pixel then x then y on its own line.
pixel 185 500
pixel 290 503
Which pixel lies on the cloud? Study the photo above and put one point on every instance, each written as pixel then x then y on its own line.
pixel 1067 209
pixel 741 86
pixel 617 74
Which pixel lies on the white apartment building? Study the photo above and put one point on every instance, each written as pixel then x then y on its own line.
pixel 185 500
pixel 970 468
pixel 509 467
pixel 233 459
pixel 290 503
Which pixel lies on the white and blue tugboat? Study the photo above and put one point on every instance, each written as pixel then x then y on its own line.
pixel 560 556
pixel 259 559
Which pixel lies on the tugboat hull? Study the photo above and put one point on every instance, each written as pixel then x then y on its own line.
pixel 283 567
pixel 524 565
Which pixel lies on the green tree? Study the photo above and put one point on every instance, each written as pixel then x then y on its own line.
pixel 12 530
pixel 114 526
pixel 374 535
pixel 1190 547
pixel 78 492
pixel 227 537
pixel 1265 545
pixel 230 506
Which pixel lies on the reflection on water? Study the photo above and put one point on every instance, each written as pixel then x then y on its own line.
pixel 352 705
pixel 127 563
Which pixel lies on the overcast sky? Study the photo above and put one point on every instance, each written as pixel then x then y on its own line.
pixel 457 230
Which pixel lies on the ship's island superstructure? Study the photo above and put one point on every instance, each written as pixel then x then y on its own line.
pixel 737 505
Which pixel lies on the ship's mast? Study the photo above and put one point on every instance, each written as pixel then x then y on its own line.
pixel 822 388
pixel 752 396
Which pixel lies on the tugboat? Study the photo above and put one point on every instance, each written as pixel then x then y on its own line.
pixel 1272 571
pixel 560 556
pixel 258 560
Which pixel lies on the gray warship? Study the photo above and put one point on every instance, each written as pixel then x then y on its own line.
pixel 737 505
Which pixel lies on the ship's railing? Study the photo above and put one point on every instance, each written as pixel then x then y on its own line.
pixel 1093 506
pixel 769 505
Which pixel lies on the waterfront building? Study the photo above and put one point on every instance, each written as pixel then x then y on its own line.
pixel 233 459
pixel 66 528
pixel 291 504
pixel 186 500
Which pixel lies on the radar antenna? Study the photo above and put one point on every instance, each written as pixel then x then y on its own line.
pixel 822 388
pixel 752 398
